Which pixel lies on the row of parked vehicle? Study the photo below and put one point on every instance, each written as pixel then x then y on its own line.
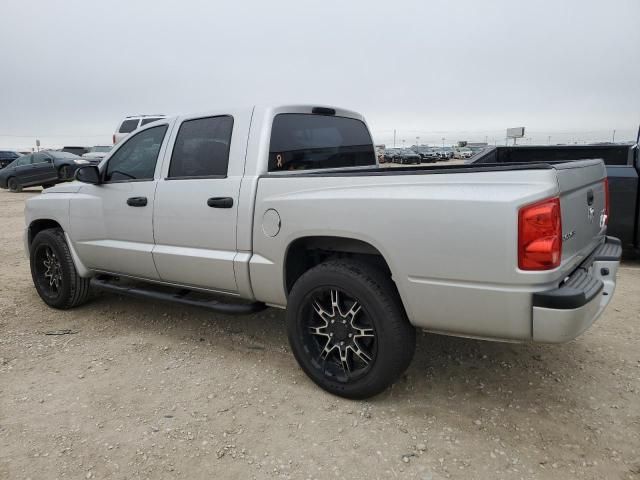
pixel 418 154
pixel 47 167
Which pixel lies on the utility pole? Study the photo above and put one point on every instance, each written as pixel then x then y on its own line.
pixel 613 137
pixel 394 138
pixel 417 141
pixel 549 140
pixel 443 139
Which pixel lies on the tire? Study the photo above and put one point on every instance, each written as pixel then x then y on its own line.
pixel 14 185
pixel 386 340
pixel 53 272
pixel 63 172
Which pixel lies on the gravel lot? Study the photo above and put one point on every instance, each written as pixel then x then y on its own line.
pixel 147 390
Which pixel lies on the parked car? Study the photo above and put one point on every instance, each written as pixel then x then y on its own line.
pixel 445 153
pixel 7 156
pixel 427 154
pixel 196 206
pixel 623 170
pixel 41 168
pixel 132 123
pixel 390 154
pixel 75 150
pixel 463 153
pixel 406 156
pixel 98 152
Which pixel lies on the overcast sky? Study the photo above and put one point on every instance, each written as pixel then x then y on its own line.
pixel 72 69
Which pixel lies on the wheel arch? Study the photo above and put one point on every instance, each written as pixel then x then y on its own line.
pixel 36 226
pixel 306 252
pixel 40 224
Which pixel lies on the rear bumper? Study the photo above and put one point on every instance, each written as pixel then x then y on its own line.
pixel 561 314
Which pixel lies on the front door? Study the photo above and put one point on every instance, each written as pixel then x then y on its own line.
pixel 196 204
pixel 111 223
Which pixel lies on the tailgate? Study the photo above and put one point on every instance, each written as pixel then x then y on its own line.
pixel 582 206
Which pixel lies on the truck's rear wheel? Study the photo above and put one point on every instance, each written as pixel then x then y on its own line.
pixel 348 330
pixel 53 272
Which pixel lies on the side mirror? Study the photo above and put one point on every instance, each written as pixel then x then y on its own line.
pixel 89 174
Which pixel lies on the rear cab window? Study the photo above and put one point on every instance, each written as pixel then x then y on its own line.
pixel 128 126
pixel 301 141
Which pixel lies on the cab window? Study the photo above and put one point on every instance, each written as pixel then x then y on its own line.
pixel 136 159
pixel 309 142
pixel 201 148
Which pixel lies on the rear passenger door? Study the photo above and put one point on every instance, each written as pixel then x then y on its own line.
pixel 195 211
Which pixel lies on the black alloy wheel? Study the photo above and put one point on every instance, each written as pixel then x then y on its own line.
pixel 348 329
pixel 338 335
pixel 48 271
pixel 54 273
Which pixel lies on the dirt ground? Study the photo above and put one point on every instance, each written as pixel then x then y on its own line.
pixel 146 390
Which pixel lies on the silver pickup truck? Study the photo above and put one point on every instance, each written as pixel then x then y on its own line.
pixel 286 206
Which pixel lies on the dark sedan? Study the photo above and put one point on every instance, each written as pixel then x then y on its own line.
pixel 427 154
pixel 41 168
pixel 404 155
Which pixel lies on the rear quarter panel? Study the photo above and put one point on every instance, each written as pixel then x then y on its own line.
pixel 450 241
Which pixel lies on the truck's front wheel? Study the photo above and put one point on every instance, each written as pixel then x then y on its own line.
pixel 348 329
pixel 53 272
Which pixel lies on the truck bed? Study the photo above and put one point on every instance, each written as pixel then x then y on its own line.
pixel 448 233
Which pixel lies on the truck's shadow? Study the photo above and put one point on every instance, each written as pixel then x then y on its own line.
pixel 445 371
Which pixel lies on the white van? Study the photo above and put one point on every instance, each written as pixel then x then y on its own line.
pixel 129 124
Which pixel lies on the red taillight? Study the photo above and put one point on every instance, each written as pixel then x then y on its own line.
pixel 114 138
pixel 540 235
pixel 606 200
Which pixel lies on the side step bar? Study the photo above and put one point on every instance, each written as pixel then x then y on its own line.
pixel 177 296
